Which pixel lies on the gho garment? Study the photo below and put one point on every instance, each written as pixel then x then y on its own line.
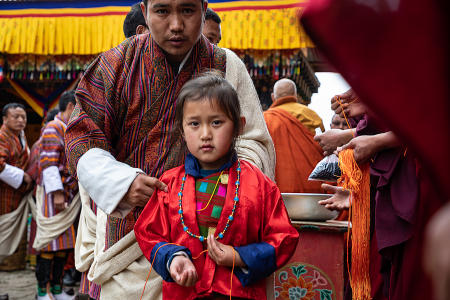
pixel 260 232
pixel 54 176
pixel 14 157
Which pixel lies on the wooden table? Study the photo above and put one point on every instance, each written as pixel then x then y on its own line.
pixel 316 270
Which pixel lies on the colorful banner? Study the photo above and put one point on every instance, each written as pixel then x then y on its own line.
pixel 91 27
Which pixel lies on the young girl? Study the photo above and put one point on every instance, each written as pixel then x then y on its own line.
pixel 215 202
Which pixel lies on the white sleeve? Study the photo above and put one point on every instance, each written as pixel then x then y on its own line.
pixel 52 179
pixel 106 180
pixel 12 176
pixel 255 144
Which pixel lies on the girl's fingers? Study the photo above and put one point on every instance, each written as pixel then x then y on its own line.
pixel 192 277
pixel 215 251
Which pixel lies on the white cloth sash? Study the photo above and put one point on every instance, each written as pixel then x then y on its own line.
pixel 13 225
pixel 48 229
pixel 86 234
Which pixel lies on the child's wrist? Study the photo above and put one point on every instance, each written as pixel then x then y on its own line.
pixel 238 262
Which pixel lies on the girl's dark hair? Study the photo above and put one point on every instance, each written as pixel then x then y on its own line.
pixel 210 86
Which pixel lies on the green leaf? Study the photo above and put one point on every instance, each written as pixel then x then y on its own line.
pixel 325 294
pixel 298 271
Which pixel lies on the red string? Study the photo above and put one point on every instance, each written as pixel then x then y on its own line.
pixel 196 257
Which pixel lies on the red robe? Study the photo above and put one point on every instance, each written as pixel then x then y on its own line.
pixel 260 222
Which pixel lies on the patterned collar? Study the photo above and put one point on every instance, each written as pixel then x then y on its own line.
pixel 21 139
pixel 60 117
pixel 192 166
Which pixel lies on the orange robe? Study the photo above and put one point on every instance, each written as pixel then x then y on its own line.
pixel 297 152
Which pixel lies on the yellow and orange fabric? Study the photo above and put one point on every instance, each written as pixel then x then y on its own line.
pixel 91 27
pixel 296 151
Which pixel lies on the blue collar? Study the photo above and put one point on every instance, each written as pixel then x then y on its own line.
pixel 192 167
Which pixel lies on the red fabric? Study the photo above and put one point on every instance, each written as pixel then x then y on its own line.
pixel 376 279
pixel 408 278
pixel 260 217
pixel 297 152
pixel 395 56
pixel 70 262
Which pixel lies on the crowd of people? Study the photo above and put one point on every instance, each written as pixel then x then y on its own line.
pixel 163 160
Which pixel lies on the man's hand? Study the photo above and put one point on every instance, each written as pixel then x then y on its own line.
pixel 28 181
pixel 349 103
pixel 142 189
pixel 222 254
pixel 339 201
pixel 364 147
pixel 183 271
pixel 59 202
pixel 333 138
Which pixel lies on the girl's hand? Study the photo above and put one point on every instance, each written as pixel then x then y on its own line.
pixel 183 271
pixel 223 254
pixel 339 201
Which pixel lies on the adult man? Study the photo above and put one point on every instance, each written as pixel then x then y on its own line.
pixel 292 127
pixel 14 181
pixel 134 22
pixel 121 129
pixel 338 123
pixel 57 204
pixel 211 29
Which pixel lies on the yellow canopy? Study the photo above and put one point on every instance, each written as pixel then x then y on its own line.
pixel 259 25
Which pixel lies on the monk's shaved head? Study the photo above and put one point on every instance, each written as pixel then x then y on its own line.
pixel 284 87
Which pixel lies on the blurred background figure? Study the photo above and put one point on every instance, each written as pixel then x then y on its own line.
pixel 14 184
pixel 134 22
pixel 57 189
pixel 338 123
pixel 292 126
pixel 211 29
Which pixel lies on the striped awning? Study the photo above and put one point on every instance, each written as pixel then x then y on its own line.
pixel 91 27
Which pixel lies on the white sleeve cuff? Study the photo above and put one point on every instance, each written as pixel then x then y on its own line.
pixel 106 180
pixel 12 176
pixel 176 254
pixel 52 179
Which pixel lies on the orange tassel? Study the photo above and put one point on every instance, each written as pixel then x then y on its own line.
pixel 357 180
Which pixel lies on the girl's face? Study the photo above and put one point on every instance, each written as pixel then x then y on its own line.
pixel 208 132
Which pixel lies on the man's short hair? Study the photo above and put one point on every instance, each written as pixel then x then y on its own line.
pixel 51 115
pixel 133 19
pixel 212 15
pixel 9 106
pixel 66 98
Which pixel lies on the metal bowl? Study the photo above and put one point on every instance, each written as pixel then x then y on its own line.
pixel 303 206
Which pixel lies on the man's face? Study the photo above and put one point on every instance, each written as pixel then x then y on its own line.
pixel 15 119
pixel 338 123
pixel 175 25
pixel 212 31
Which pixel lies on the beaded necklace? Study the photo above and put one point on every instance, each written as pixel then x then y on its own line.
pixel 230 217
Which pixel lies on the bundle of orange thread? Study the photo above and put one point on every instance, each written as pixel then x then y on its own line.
pixel 356 179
